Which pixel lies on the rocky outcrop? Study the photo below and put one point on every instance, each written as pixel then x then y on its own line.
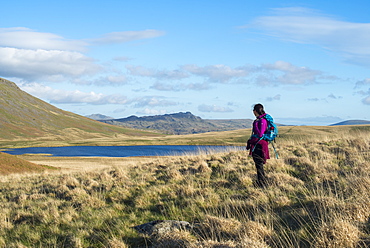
pixel 180 123
pixel 162 227
pixel 182 234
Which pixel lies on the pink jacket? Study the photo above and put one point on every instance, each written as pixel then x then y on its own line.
pixel 259 128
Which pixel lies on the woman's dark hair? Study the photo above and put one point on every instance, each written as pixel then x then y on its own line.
pixel 259 108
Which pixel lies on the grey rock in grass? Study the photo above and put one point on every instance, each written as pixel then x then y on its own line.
pixel 160 227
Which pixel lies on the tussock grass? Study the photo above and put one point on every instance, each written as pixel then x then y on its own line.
pixel 318 196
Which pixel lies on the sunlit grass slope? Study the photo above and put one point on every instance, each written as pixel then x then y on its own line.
pixel 318 196
pixel 10 164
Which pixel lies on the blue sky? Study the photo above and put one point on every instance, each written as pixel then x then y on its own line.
pixel 307 62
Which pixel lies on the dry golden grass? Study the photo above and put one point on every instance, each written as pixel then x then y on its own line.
pixel 317 197
pixel 12 164
pixel 290 134
pixel 69 164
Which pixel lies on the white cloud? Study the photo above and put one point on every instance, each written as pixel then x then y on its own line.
pixel 148 111
pixel 157 74
pixel 280 72
pixel 361 83
pixel 291 74
pixel 180 87
pixel 111 80
pixel 32 55
pixel 126 36
pixel 332 96
pixel 366 100
pixel 217 73
pixel 36 64
pixel 302 25
pixel 152 101
pixel 122 58
pixel 76 96
pixel 314 99
pixel 45 64
pixel 213 108
pixel 274 98
pixel 26 38
pixel 212 73
pixel 264 79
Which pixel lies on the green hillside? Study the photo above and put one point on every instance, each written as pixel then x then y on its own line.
pixel 23 116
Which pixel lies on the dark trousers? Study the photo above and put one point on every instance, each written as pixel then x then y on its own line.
pixel 257 156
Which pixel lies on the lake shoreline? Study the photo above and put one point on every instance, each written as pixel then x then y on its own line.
pixel 120 151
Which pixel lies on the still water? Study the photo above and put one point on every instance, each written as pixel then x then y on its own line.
pixel 122 151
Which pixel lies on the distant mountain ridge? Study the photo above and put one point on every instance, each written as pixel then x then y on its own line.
pixel 180 123
pixel 187 123
pixel 351 122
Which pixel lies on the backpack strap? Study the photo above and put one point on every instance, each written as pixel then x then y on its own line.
pixel 268 118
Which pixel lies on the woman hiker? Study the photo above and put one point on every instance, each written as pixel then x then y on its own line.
pixel 258 147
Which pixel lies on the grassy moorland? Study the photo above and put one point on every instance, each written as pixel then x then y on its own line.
pixel 318 196
pixel 75 137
